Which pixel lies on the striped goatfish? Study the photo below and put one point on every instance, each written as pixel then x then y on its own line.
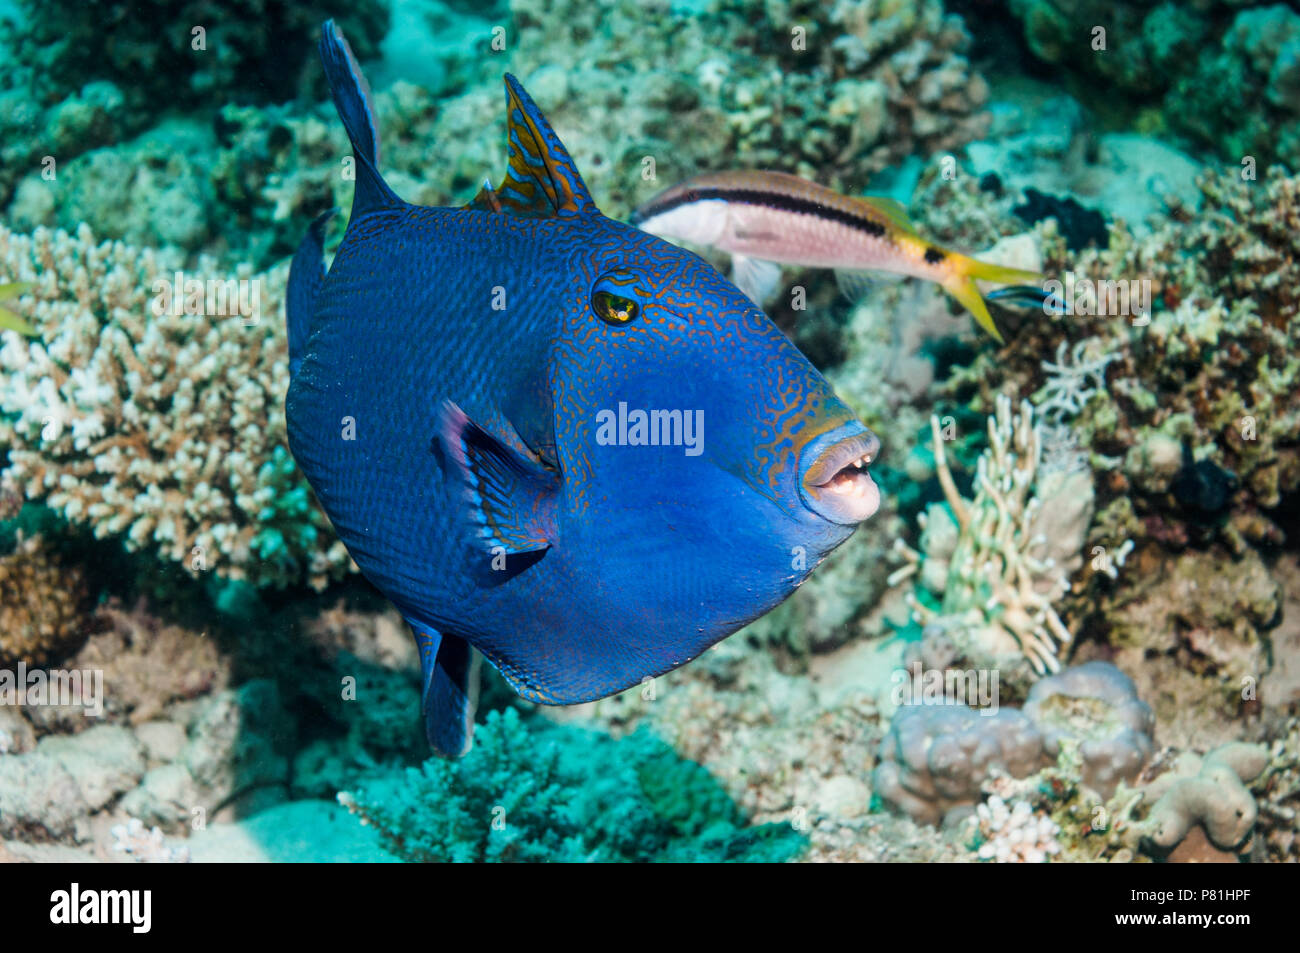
pixel 769 219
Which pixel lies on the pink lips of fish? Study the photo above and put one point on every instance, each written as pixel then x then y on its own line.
pixel 837 483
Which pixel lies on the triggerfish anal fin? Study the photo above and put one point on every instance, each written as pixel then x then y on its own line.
pixel 510 499
pixel 450 678
pixel 9 321
pixel 541 178
pixel 306 273
pixel 352 99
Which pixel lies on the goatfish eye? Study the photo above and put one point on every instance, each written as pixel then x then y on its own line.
pixel 612 308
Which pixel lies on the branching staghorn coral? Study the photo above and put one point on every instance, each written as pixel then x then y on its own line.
pixel 1072 383
pixel 164 429
pixel 1001 576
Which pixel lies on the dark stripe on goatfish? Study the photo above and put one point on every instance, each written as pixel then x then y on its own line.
pixel 774 200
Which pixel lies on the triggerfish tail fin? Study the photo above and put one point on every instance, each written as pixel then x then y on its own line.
pixel 541 178
pixel 352 99
pixel 449 696
pixel 306 274
pixel 9 321
pixel 961 285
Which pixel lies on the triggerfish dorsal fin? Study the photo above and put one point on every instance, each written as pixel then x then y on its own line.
pixel 541 179
pixel 352 99
pixel 511 499
pixel 486 200
pixel 449 695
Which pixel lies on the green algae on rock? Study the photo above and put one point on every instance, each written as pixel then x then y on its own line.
pixel 528 792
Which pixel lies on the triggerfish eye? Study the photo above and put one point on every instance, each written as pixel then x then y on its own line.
pixel 612 308
pixel 614 298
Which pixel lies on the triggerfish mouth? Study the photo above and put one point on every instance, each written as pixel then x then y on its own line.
pixel 769 219
pixel 552 440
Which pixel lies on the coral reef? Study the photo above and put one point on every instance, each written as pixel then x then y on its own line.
pixel 837 92
pixel 1004 557
pixel 1187 70
pixel 250 49
pixel 163 427
pixel 1211 365
pixel 1129 510
pixel 563 794
pixel 1015 834
pixel 938 759
pixel 43 605
pixel 935 759
pixel 1096 707
pixel 1209 791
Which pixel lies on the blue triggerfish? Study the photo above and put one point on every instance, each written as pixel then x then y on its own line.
pixel 552 439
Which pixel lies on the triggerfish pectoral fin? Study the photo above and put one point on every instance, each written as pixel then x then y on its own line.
pixel 306 273
pixel 510 499
pixel 449 697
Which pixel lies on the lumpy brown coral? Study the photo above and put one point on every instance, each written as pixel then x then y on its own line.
pixel 42 602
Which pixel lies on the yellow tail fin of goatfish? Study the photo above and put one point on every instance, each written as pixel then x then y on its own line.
pixel 10 321
pixel 962 286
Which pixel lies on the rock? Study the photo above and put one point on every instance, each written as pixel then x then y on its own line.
pixel 103 762
pixel 236 743
pixel 163 741
pixel 16 733
pixel 297 831
pixel 37 796
pixel 842 797
pixel 166 797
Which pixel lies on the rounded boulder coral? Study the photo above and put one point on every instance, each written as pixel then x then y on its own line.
pixel 41 605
